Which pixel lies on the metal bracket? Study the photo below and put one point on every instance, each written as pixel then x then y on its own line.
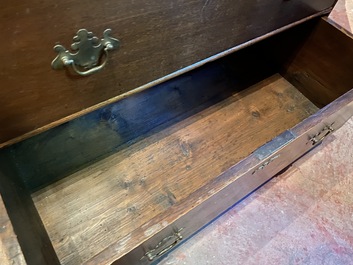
pixel 88 52
pixel 321 135
pixel 162 247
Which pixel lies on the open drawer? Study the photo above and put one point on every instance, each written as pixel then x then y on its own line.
pixel 130 181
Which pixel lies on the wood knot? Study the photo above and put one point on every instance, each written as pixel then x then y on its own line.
pixel 185 148
pixel 256 114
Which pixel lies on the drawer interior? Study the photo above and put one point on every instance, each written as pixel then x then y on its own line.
pixel 96 179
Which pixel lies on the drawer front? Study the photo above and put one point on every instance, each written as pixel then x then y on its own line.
pixel 157 38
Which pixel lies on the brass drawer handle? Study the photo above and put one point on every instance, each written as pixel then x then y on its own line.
pixel 176 237
pixel 89 51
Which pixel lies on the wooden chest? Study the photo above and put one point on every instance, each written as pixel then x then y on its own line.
pixel 202 104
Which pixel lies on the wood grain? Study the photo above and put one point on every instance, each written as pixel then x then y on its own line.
pixel 157 38
pixel 108 200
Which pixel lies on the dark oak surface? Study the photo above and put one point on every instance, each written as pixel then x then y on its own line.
pixel 158 38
